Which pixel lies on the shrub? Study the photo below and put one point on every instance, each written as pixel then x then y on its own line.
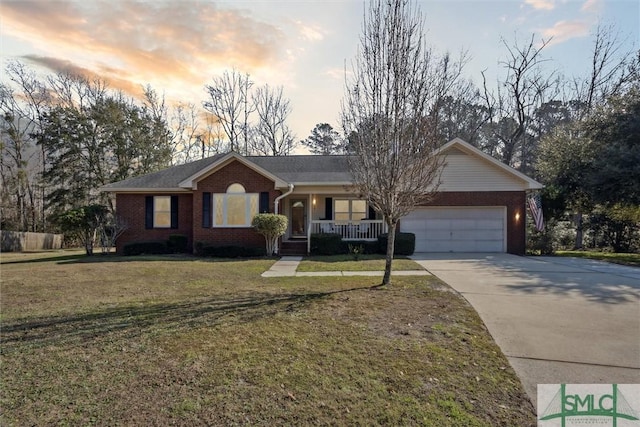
pixel 177 243
pixel 369 246
pixel 355 251
pixel 271 226
pixel 228 251
pixel 154 247
pixel 327 244
pixel 542 242
pixel 404 244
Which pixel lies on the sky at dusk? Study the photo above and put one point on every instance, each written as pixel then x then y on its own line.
pixel 177 46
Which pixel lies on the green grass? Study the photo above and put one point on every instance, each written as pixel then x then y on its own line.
pixel 180 340
pixel 617 258
pixel 347 263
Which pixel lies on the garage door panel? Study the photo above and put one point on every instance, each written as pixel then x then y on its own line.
pixel 492 224
pixel 414 224
pixel 457 229
pixel 439 235
pixel 437 224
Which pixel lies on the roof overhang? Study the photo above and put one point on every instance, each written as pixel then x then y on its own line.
pixel 191 183
pixel 143 190
pixel 530 183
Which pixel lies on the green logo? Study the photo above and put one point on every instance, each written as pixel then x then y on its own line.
pixel 588 402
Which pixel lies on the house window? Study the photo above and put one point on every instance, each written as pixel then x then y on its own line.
pixel 350 210
pixel 235 208
pixel 161 212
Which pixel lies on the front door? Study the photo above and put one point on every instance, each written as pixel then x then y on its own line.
pixel 298 218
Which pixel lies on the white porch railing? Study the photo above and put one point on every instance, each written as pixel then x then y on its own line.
pixel 366 229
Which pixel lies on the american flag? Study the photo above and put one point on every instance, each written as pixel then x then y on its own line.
pixel 535 206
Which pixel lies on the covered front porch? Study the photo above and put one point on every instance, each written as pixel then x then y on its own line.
pixel 316 212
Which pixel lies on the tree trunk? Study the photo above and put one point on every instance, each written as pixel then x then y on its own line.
pixel 577 218
pixel 390 247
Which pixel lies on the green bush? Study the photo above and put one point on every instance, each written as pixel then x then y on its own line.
pixel 271 226
pixel 404 244
pixel 228 251
pixel 327 244
pixel 154 247
pixel 369 246
pixel 542 242
pixel 177 243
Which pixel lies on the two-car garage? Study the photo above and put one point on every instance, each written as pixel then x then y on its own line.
pixel 458 229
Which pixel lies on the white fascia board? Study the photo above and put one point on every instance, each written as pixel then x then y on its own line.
pixel 470 149
pixel 192 182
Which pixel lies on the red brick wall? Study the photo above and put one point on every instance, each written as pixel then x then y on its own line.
pixel 513 200
pixel 131 208
pixel 253 182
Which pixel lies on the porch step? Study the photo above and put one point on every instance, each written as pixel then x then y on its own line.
pixel 291 247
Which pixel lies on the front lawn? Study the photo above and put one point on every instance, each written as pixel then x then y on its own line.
pixel 185 341
pixel 372 262
pixel 622 258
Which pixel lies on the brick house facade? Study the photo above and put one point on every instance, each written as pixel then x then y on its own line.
pixel 481 202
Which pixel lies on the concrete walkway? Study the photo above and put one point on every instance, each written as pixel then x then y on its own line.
pixel 558 320
pixel 287 266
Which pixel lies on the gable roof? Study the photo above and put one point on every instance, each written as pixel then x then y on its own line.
pixel 297 170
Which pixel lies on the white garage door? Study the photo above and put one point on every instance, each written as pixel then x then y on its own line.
pixel 457 229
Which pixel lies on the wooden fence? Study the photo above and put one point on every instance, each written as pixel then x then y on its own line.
pixel 17 241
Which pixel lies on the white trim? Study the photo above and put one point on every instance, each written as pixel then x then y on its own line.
pixel 532 184
pixel 225 196
pixel 192 181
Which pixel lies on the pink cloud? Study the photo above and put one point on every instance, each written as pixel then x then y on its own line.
pixel 565 30
pixel 144 41
pixel 541 4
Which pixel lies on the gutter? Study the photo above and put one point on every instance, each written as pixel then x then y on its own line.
pixel 276 203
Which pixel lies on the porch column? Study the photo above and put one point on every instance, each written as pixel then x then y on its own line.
pixel 309 219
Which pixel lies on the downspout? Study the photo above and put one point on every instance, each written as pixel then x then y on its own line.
pixel 276 203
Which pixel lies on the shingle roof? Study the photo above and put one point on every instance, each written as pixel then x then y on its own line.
pixel 164 179
pixel 306 169
pixel 292 169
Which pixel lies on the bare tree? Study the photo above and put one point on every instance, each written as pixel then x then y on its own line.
pixel 524 88
pixel 111 227
pixel 229 101
pixel 609 73
pixel 272 135
pixel 23 102
pixel 391 113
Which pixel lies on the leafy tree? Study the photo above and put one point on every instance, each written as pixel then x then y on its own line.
pixel 324 140
pixel 83 223
pixel 109 140
pixel 271 226
pixel 614 131
pixel 391 110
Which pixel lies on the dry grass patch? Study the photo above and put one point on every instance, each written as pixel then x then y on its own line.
pixel 367 262
pixel 167 340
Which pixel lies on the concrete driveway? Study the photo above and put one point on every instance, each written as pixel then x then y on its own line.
pixel 558 320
